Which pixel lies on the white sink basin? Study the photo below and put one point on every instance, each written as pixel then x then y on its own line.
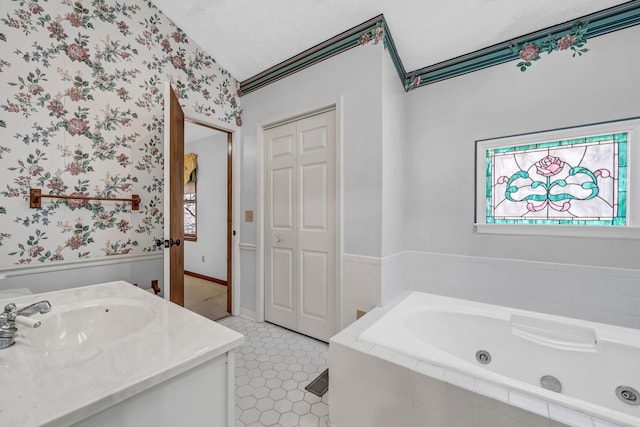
pixel 87 324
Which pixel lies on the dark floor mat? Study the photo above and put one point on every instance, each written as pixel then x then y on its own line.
pixel 320 385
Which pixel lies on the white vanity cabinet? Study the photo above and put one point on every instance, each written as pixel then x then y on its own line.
pixel 115 355
pixel 198 397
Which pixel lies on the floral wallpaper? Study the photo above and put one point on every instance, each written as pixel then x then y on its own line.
pixel 81 113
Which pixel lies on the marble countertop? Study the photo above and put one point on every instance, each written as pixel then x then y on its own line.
pixel 60 386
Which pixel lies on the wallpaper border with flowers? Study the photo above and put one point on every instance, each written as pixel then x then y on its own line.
pixel 570 36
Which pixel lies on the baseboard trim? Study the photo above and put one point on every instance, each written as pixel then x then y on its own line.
pixel 249 314
pixel 204 277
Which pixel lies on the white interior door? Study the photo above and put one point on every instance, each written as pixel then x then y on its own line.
pixel 300 225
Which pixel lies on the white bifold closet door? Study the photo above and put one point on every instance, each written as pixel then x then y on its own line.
pixel 300 225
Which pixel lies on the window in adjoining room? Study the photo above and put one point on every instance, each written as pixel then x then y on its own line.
pixel 570 177
pixel 190 211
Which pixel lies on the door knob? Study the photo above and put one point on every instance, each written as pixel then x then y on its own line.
pixel 171 242
pixel 278 239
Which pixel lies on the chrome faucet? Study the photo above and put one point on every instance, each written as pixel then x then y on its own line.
pixel 13 315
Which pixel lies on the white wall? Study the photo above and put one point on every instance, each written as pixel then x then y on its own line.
pixel 356 77
pixel 394 140
pixel 211 208
pixel 446 118
pixel 394 143
pixel 409 179
pixel 63 276
pixel 591 278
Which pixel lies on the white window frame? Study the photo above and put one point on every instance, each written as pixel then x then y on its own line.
pixel 629 231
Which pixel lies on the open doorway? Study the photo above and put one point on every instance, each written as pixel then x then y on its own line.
pixel 207 220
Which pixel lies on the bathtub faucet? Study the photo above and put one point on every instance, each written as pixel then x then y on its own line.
pixel 13 315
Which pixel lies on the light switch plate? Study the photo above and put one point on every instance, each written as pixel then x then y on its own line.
pixel 248 216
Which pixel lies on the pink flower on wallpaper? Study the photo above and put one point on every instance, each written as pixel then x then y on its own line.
pixel 549 166
pixel 76 126
pixel 56 30
pixel 76 52
pixel 566 42
pixel 57 108
pixel 75 168
pixel 34 170
pixel 103 218
pixel 166 46
pixel 35 8
pixel 529 53
pixel 123 225
pixel 177 37
pixel 35 89
pixel 238 120
pixel 75 242
pixel 123 27
pixel 177 62
pixel 76 203
pixel 75 94
pixel 34 251
pixel 122 93
pixel 75 19
pixel 56 185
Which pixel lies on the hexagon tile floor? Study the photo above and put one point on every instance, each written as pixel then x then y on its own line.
pixel 273 367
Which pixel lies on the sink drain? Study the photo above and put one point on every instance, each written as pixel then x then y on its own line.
pixel 550 382
pixel 483 356
pixel 628 395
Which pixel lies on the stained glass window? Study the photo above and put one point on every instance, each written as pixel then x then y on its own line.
pixel 578 181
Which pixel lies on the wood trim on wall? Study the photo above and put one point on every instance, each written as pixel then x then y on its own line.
pixel 205 277
pixel 229 216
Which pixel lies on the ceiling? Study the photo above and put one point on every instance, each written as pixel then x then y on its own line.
pixel 249 36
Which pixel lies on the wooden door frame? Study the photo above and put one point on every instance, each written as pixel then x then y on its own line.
pixel 260 204
pixel 233 205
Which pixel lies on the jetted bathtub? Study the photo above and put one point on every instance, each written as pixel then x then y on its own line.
pixel 550 370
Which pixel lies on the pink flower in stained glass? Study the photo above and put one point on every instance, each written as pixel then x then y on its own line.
pixel 529 53
pixel 603 173
pixel 566 41
pixel 549 166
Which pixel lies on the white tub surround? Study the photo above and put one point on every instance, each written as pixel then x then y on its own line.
pixel 415 362
pixel 115 352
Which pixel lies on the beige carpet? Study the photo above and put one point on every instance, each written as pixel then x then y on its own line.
pixel 206 298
